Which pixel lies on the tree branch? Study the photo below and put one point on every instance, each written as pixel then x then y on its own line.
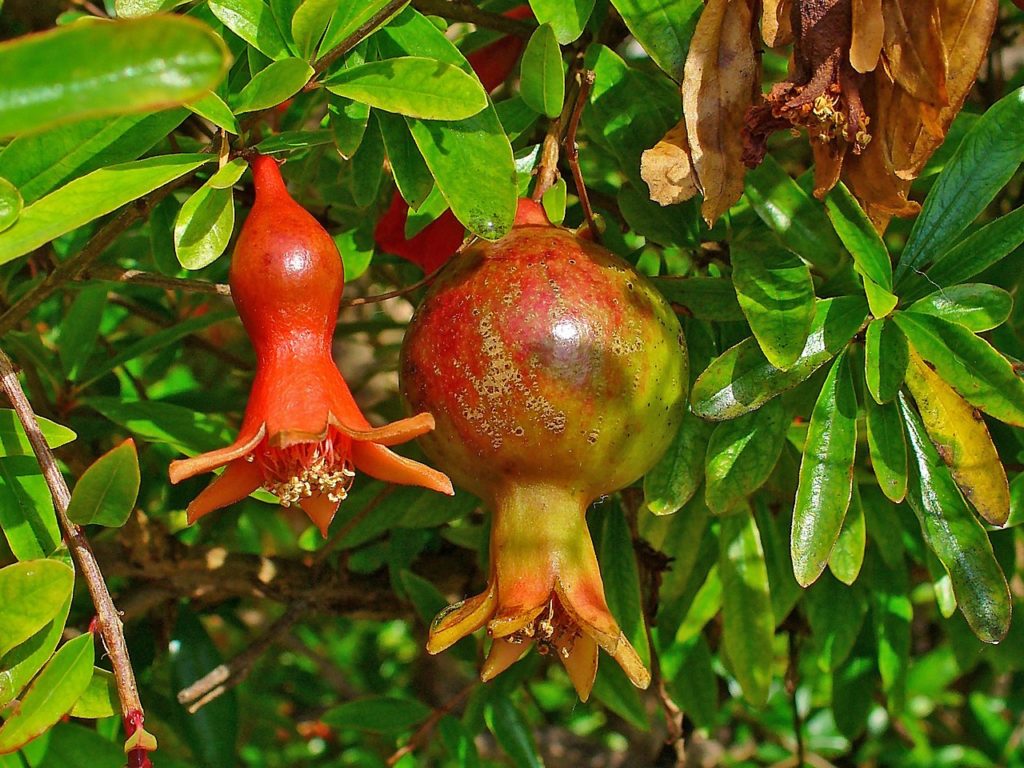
pixel 108 618
pixel 354 39
pixel 458 10
pixel 138 277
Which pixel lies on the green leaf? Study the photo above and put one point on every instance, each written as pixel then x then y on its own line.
pixel 748 627
pixel 826 474
pixel 956 537
pixel 377 714
pixel 706 298
pixel 100 699
pixel 14 441
pixel 367 168
pixel 554 201
pixel 54 692
pixel 622 578
pixel 742 453
pixel 885 359
pixel 79 329
pixel 412 177
pixel 40 163
pixel 146 64
pixel 981 375
pixel 860 237
pixel 614 690
pixel 742 380
pixel 888 448
pixel 412 86
pixel 26 509
pixel 848 554
pixel 566 17
pixel 512 733
pixel 348 123
pixel 987 157
pixel 836 614
pixel 353 15
pixel 273 85
pixel 309 24
pixel 542 83
pixel 793 214
pixel 356 247
pixel 976 306
pixel 253 21
pixel 775 291
pixel 69 745
pixel 10 204
pixel 663 28
pixel 673 481
pixel 106 492
pixel 31 594
pixel 975 253
pixel 892 611
pixel 133 9
pixel 213 108
pixel 183 429
pixel 90 197
pixel 204 225
pixel 853 690
pixel 19 666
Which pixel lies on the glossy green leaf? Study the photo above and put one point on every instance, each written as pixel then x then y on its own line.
pixel 741 454
pixel 356 247
pixel 203 227
pixel 31 594
pixel 348 123
pixel 367 169
pixel 40 163
pixel 797 218
pixel 27 518
pixel 742 380
pixel 663 28
pixel 273 85
pixel 253 21
pixel 412 86
pixel 183 429
pixel 976 306
pixel 775 291
pixel 956 537
pixel 748 625
pixel 976 252
pixel 566 17
pixel 309 23
pixel 353 15
pixel 774 530
pixel 377 714
pixel 968 363
pixel 10 204
pixel 542 83
pixel 512 733
pixel 885 359
pixel 888 448
pixel 705 605
pixel 848 554
pixel 133 9
pixel 100 699
pixel 673 481
pixel 90 197
pixel 53 693
pixel 880 301
pixel 987 157
pixel 146 64
pixel 213 108
pixel 14 441
pixel 836 614
pixel 412 177
pixel 19 666
pixel 826 474
pixel 79 329
pixel 105 494
pixel 706 298
pixel 892 612
pixel 859 236
pixel 621 578
pixel 554 201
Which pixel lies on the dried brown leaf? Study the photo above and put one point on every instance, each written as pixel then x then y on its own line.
pixel 868 33
pixel 719 83
pixel 667 169
pixel 777 22
pixel 914 49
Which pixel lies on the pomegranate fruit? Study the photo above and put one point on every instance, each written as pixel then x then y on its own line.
pixel 556 374
pixel 303 436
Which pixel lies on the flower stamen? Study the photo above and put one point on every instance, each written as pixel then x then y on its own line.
pixel 302 470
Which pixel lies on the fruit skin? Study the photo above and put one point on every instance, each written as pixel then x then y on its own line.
pixel 303 435
pixel 556 374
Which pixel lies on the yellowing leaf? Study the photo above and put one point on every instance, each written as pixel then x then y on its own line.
pixel 776 24
pixel 868 31
pixel 667 169
pixel 914 49
pixel 962 440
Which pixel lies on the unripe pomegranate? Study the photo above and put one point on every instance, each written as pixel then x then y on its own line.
pixel 556 374
pixel 303 436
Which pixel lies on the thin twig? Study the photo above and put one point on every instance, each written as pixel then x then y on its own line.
pixel 224 677
pixel 547 168
pixel 587 77
pixel 456 10
pixel 138 277
pixel 395 293
pixel 354 39
pixel 423 732
pixel 108 619
pixel 792 683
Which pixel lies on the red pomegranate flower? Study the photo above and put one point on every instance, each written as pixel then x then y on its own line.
pixel 303 436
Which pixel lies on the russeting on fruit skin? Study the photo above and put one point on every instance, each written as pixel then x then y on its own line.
pixel 556 374
pixel 303 436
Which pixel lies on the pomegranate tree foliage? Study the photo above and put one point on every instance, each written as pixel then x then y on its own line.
pixel 824 561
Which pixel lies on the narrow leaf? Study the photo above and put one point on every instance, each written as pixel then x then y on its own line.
pixel 273 85
pixel 859 235
pixel 377 714
pixel 253 21
pixel 203 227
pixel 976 306
pixel 105 494
pixel 14 441
pixel 542 83
pixel 977 252
pixel 848 554
pixel 885 359
pixel 888 448
pixel 673 481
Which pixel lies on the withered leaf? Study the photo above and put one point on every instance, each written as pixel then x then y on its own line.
pixel 914 49
pixel 868 33
pixel 719 83
pixel 776 22
pixel 667 169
